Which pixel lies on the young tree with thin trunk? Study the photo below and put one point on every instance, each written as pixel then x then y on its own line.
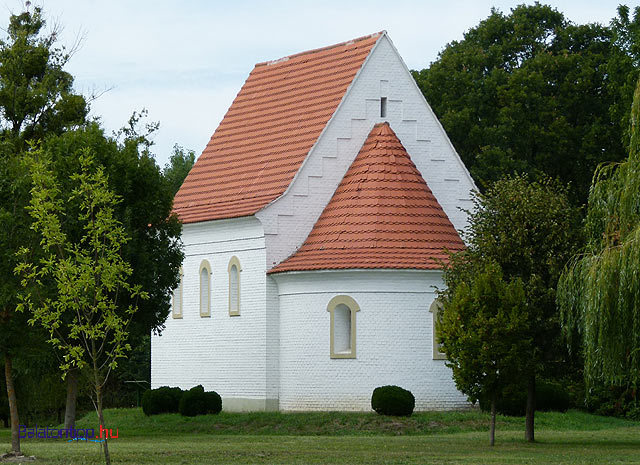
pixel 484 330
pixel 154 250
pixel 83 316
pixel 529 229
pixel 37 100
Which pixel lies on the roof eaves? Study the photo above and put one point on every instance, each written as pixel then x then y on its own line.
pixel 342 270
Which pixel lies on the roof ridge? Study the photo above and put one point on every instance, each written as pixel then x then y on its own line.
pixel 315 50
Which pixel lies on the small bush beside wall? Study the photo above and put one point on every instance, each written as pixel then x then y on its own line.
pixel 196 401
pixel 162 400
pixel 214 402
pixel 393 400
pixel 193 402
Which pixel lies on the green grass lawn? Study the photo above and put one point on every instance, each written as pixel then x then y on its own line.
pixel 347 438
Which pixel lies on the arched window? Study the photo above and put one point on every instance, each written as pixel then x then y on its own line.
pixel 343 310
pixel 205 289
pixel 435 308
pixel 234 270
pixel 177 298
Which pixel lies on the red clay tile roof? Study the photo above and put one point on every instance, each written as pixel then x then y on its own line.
pixel 383 215
pixel 268 131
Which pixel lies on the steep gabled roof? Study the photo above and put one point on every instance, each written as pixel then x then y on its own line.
pixel 383 215
pixel 268 131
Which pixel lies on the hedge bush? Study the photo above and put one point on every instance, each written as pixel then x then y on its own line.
pixel 162 400
pixel 196 401
pixel 393 400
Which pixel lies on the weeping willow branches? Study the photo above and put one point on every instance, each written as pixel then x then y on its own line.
pixel 599 292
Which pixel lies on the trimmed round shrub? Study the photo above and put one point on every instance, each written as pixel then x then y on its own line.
pixel 393 400
pixel 214 402
pixel 162 400
pixel 196 401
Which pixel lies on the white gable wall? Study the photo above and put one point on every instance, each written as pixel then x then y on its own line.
pixel 394 342
pixel 288 220
pixel 224 353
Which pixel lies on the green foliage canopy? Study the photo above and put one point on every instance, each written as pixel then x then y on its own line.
pixel 36 100
pixel 523 233
pixel 485 333
pixel 531 92
pixel 36 94
pixel 88 274
pixel 529 229
pixel 154 249
pixel 599 292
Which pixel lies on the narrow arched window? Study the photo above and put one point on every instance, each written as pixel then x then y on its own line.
pixel 342 342
pixel 234 270
pixel 177 298
pixel 435 309
pixel 342 311
pixel 205 288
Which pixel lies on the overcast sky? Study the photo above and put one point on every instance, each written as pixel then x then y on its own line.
pixel 186 60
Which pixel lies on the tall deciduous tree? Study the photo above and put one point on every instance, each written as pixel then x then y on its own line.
pixel 84 317
pixel 529 230
pixel 154 249
pixel 36 94
pixel 532 92
pixel 485 333
pixel 36 100
pixel 599 292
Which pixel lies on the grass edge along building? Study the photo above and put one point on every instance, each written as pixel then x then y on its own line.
pixel 313 225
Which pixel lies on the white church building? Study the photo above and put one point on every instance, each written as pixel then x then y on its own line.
pixel 315 225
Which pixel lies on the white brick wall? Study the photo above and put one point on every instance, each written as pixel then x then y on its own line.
pixel 224 353
pixel 393 340
pixel 288 220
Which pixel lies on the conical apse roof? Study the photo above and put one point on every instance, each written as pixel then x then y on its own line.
pixel 383 215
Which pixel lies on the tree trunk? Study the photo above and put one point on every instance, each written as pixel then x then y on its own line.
pixel 105 445
pixel 72 398
pixel 98 390
pixel 492 428
pixel 531 410
pixel 13 406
